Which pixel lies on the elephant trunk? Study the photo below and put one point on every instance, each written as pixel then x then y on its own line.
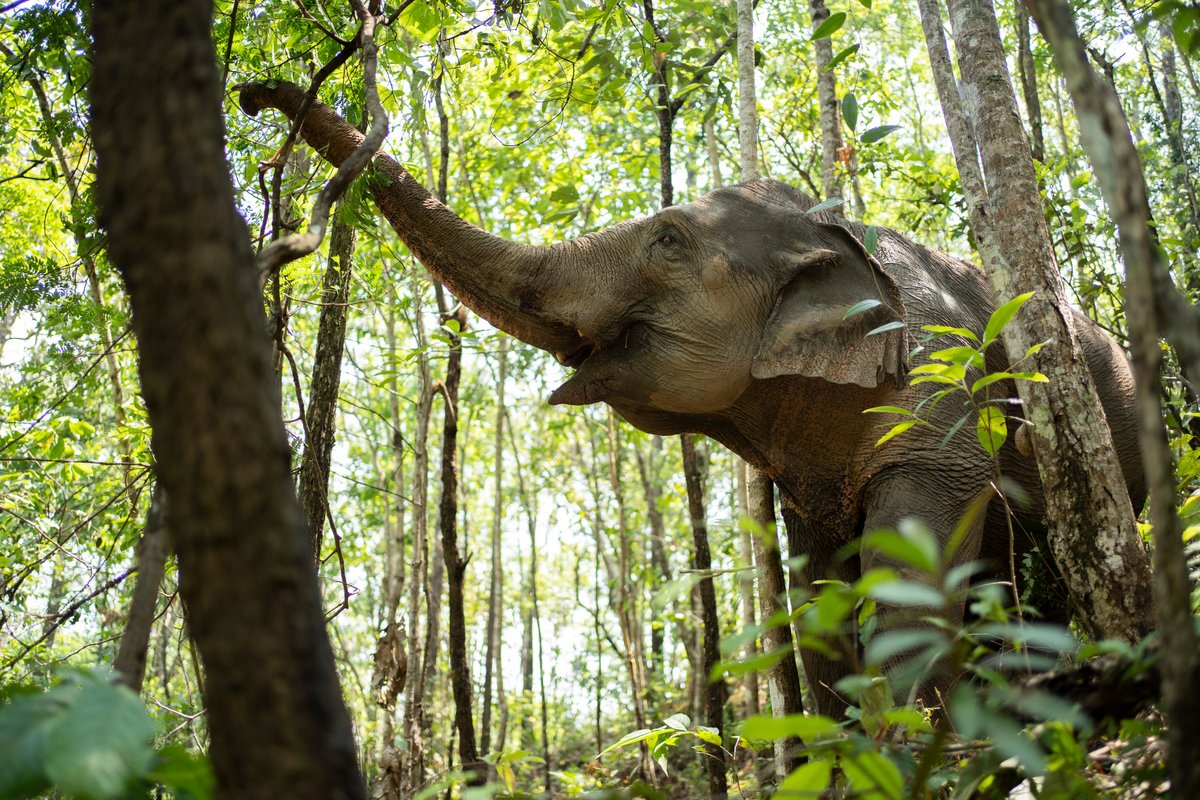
pixel 512 286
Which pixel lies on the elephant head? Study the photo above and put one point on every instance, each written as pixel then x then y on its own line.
pixel 665 318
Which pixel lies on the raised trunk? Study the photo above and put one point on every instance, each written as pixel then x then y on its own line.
pixel 521 289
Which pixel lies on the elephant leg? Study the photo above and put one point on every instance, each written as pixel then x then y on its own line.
pixel 823 561
pixel 924 495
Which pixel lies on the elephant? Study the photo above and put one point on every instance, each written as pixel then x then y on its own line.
pixel 728 317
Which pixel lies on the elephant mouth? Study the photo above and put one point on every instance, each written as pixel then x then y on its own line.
pixel 577 356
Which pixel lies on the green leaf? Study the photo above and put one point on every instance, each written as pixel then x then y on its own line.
pixel 871 240
pixel 842 55
pixel 762 728
pixel 885 327
pixel 995 377
pixel 873 135
pixel 966 356
pixel 906 593
pixel 189 774
pixel 807 780
pixel 830 26
pixel 860 307
pixel 896 430
pixel 850 109
pixel 101 744
pixel 872 776
pixel 889 644
pixel 709 735
pixel 991 429
pixel 25 723
pixel 948 331
pixel 1002 315
pixel 913 545
pixel 678 722
pixel 825 205
pixel 887 410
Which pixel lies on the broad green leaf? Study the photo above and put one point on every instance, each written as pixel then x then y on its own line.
pixel 871 239
pixel 709 735
pixel 806 781
pixel 678 722
pixel 825 205
pixel 861 306
pixel 850 109
pixel 967 356
pixel 1001 316
pixel 633 737
pixel 807 727
pixel 841 56
pixel 913 544
pixel 830 26
pixel 906 593
pixel 946 330
pixel 755 663
pixel 873 135
pixel 872 776
pixel 101 744
pixel 887 645
pixel 187 773
pixel 25 723
pixel 991 429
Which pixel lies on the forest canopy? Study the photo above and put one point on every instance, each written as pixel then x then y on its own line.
pixel 280 516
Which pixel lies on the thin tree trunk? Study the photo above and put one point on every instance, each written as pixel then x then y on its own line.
pixel 1110 147
pixel 414 711
pixel 783 678
pixel 1093 533
pixel 714 689
pixel 1029 86
pixel 658 553
pixel 831 130
pixel 275 711
pixel 130 662
pixel 746 583
pixel 390 666
pixel 628 611
pixel 491 656
pixel 321 423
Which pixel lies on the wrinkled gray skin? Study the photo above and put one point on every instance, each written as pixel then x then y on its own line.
pixel 726 317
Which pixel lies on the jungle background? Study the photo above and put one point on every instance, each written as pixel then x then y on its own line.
pixel 579 574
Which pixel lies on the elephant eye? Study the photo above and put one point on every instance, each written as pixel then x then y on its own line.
pixel 666 239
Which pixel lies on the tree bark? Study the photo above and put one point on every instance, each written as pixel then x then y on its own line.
pixel 714 689
pixel 783 678
pixel 1093 532
pixel 321 419
pixel 1110 147
pixel 491 656
pixel 278 724
pixel 831 130
pixel 130 662
pixel 1029 84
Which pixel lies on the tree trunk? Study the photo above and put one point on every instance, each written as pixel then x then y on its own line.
pixel 414 711
pixel 831 130
pixel 491 656
pixel 130 662
pixel 275 711
pixel 1093 533
pixel 1110 147
pixel 783 678
pixel 746 582
pixel 321 420
pixel 714 689
pixel 1029 85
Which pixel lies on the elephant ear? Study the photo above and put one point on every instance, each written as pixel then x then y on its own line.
pixel 840 317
